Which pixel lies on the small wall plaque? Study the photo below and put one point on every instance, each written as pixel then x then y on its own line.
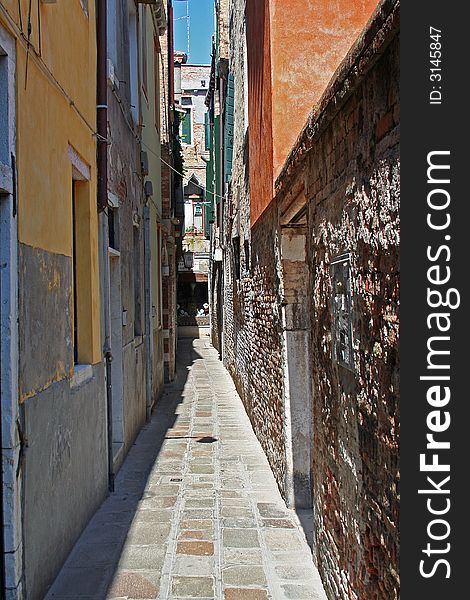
pixel 342 311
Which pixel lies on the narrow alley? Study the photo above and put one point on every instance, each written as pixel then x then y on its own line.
pixel 200 299
pixel 196 512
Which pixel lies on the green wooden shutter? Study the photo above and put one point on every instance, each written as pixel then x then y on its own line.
pixel 217 159
pixel 209 195
pixel 228 133
pixel 207 131
pixel 186 127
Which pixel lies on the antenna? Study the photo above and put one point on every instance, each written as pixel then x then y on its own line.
pixel 188 21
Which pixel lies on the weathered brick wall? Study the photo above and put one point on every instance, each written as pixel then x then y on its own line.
pixel 253 338
pixel 347 163
pixel 349 160
pixel 252 307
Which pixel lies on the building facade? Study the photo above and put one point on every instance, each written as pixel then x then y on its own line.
pixel 53 388
pixel 82 298
pixel 306 313
pixel 134 216
pixel 192 83
pixel 172 202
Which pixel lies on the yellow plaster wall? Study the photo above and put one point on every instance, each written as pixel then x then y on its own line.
pixel 47 124
pixel 151 141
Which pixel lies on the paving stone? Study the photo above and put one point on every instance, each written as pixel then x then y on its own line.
pixel 142 534
pixel 270 511
pixel 236 511
pixel 231 494
pixel 133 585
pixel 153 516
pixel 196 548
pixel 197 513
pixel 244 575
pixel 199 502
pixel 162 518
pixel 240 538
pixel 237 522
pixel 207 469
pixel 278 523
pixel 242 556
pixel 204 524
pixel 187 534
pixel 245 594
pixel 142 557
pixel 151 501
pixel 96 554
pixel 292 572
pixel 283 540
pixel 300 592
pixel 192 587
pixel 193 566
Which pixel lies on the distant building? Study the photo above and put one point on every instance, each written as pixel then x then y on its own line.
pixel 191 86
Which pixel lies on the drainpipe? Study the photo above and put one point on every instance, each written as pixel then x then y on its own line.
pixel 221 223
pixel 148 310
pixel 102 167
pixel 107 347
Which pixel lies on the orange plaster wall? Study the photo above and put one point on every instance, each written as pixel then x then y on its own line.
pixel 259 106
pixel 294 48
pixel 309 39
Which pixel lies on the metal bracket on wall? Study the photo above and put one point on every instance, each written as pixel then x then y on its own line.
pixel 23 444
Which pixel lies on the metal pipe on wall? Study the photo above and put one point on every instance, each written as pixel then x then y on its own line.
pixel 148 311
pixel 102 201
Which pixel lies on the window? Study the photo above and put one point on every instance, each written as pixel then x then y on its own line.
pixel 158 96
pixel 186 127
pixel 144 51
pixel 4 101
pixel 207 132
pixel 236 256
pixel 198 218
pixel 74 274
pixel 113 225
pixel 83 273
pixel 159 275
pixel 133 65
pixel 247 255
pixel 137 284
pixel 342 311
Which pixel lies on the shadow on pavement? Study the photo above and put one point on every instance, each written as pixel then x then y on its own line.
pixel 91 566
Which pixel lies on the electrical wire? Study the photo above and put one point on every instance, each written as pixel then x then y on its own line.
pixel 152 151
pixel 181 174
pixel 20 15
pixel 43 66
pixel 22 38
pixel 39 29
pixel 29 44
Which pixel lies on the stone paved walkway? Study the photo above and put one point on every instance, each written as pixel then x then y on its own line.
pixel 196 512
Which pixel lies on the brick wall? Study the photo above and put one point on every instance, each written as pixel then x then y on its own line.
pixel 253 337
pixel 349 161
pixel 343 174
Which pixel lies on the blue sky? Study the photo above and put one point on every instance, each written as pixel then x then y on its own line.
pixel 201 28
